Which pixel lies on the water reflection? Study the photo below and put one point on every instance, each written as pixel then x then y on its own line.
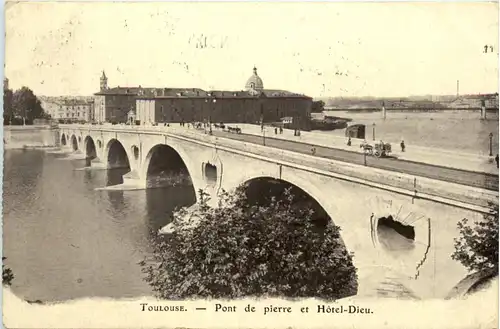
pixel 18 165
pixel 115 176
pixel 64 240
pixel 162 202
pixel 117 202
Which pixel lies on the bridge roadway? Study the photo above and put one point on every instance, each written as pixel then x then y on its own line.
pixel 458 176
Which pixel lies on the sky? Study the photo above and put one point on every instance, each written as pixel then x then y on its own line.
pixel 318 49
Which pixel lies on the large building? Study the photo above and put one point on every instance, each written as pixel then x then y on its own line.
pixel 166 105
pixel 114 104
pixel 73 109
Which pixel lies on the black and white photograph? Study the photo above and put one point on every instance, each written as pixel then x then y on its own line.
pixel 203 164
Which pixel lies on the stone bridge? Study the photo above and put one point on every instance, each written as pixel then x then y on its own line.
pixel 359 199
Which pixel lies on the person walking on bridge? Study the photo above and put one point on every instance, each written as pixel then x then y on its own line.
pixel 496 160
pixel 402 145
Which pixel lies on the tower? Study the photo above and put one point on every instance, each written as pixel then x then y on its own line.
pixel 5 84
pixel 104 81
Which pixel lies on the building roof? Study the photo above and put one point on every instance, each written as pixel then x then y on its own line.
pixel 180 92
pixel 281 93
pixel 119 91
pixel 145 92
pixel 254 82
pixel 68 101
pixel 219 94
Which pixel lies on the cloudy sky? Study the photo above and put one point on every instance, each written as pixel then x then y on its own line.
pixel 320 49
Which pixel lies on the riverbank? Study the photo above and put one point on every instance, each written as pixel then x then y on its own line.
pixel 30 137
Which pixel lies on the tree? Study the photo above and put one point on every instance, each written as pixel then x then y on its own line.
pixel 477 246
pixel 241 249
pixel 318 106
pixel 7 105
pixel 7 275
pixel 26 105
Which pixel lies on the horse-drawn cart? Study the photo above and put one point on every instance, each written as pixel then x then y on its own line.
pixel 379 150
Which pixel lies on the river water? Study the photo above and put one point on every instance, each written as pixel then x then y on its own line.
pixel 462 131
pixel 64 240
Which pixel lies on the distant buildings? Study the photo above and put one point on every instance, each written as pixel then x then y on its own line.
pixel 167 105
pixel 70 109
pixel 443 102
pixel 474 102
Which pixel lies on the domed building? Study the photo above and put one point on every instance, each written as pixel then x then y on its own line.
pixel 253 104
pixel 254 82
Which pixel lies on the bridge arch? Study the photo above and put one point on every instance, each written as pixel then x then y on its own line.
pixel 265 184
pixel 352 237
pixel 90 148
pixel 263 190
pixel 74 143
pixel 164 165
pixel 116 155
pixel 64 142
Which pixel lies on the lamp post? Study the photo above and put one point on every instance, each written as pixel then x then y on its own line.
pixel 491 144
pixel 263 136
pixel 210 116
pixel 205 116
pixel 374 131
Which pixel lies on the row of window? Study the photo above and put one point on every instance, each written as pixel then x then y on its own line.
pixel 73 108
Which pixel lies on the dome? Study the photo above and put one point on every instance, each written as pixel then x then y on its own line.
pixel 254 82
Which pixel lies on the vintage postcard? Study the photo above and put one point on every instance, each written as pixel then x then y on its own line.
pixel 250 165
